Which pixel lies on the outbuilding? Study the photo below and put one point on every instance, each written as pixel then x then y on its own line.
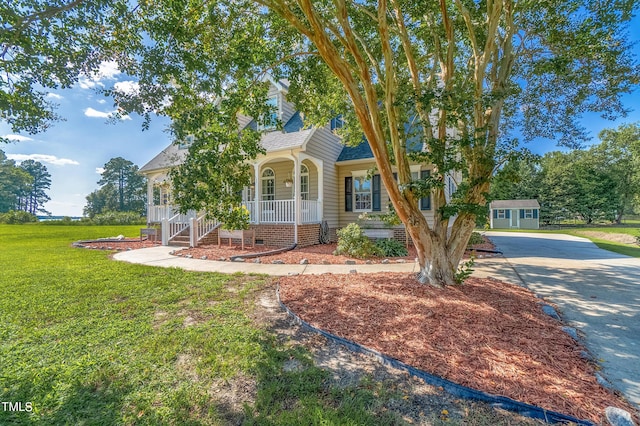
pixel 521 214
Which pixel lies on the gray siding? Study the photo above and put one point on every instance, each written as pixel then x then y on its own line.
pixel 326 146
pixel 348 217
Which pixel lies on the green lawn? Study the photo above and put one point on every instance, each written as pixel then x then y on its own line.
pixel 87 340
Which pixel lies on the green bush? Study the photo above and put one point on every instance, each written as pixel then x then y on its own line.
pixel 118 218
pixel 352 242
pixel 17 216
pixel 391 248
pixel 476 238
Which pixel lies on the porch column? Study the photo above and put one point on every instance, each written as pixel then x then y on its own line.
pixel 320 167
pixel 296 197
pixel 258 190
pixel 149 201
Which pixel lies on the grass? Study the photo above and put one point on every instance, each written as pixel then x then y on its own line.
pixel 88 340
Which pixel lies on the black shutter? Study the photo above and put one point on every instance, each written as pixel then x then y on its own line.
pixel 375 184
pixel 507 214
pixel 495 214
pixel 425 203
pixel 521 213
pixel 348 194
pixel 535 213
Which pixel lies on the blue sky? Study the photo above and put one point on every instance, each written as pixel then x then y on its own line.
pixel 74 150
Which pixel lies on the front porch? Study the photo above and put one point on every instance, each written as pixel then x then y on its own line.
pixel 285 190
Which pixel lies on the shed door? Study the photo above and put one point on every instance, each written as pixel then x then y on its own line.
pixel 514 218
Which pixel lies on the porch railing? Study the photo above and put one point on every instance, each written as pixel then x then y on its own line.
pixel 199 228
pixel 282 211
pixel 175 225
pixel 155 214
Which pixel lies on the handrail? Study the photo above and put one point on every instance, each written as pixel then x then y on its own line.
pixel 200 227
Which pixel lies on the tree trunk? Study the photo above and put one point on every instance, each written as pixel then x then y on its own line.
pixel 438 253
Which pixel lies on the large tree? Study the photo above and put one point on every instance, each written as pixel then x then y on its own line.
pixel 49 44
pixel 459 72
pixel 619 153
pixel 32 199
pixel 14 182
pixel 122 189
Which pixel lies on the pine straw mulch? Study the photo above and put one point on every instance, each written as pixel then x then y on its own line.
pixel 315 255
pixel 486 334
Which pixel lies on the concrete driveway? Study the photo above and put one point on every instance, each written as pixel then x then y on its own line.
pixel 597 291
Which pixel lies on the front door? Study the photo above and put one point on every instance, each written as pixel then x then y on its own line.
pixel 514 218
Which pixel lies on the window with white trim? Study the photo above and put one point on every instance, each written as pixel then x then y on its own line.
pixel 304 182
pixel 268 185
pixel 502 214
pixel 528 213
pixel 362 194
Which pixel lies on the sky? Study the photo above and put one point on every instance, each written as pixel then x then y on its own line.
pixel 75 150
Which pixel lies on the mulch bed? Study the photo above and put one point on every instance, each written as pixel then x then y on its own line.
pixel 317 254
pixel 486 334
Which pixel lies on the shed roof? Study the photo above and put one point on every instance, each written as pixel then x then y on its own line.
pixel 514 204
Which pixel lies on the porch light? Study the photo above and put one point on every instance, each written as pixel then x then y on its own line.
pixel 288 182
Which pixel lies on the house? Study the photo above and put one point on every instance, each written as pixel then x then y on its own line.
pixel 522 214
pixel 305 187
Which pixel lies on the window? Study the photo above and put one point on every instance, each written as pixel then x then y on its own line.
pixel 362 193
pixel 502 214
pixel 268 185
pixel 304 182
pixel 528 213
pixel 187 142
pixel 272 118
pixel 337 122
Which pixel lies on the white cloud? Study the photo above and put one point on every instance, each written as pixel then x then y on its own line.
pixel 43 158
pixel 93 113
pixel 90 112
pixel 54 96
pixel 101 101
pixel 99 170
pixel 128 87
pixel 106 71
pixel 17 138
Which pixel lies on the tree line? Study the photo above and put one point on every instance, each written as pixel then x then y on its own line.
pixel 23 187
pixel 595 184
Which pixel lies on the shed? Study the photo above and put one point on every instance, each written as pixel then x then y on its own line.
pixel 520 214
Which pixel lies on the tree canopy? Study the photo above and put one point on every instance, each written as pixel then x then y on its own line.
pixel 599 183
pixel 455 76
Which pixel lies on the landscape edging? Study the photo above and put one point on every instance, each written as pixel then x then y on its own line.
pixel 452 388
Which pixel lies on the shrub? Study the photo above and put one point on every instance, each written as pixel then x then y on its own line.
pixel 476 238
pixel 17 216
pixel 118 218
pixel 352 242
pixel 391 248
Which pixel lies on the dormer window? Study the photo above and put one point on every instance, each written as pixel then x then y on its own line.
pixel 187 142
pixel 337 122
pixel 271 119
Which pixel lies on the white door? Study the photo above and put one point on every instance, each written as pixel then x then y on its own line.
pixel 515 218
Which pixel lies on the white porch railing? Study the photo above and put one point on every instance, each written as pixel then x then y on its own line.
pixel 282 211
pixel 199 228
pixel 155 214
pixel 175 225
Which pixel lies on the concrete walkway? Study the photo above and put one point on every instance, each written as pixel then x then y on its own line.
pixel 597 291
pixel 159 256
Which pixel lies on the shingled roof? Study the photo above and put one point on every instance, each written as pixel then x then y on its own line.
pixel 514 204
pixel 171 156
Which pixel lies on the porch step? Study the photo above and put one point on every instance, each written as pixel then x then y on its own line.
pixel 180 241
